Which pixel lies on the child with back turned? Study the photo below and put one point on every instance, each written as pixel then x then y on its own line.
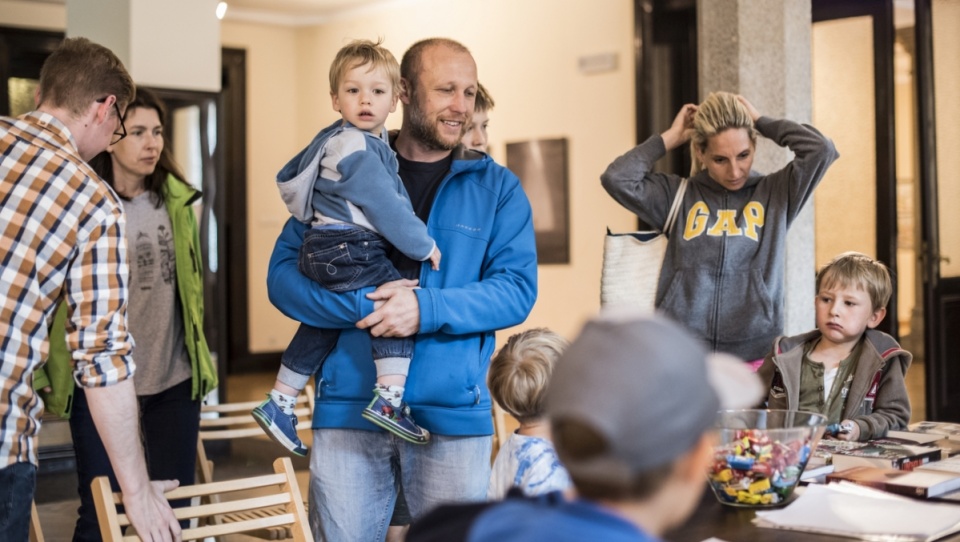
pixel 345 184
pixel 845 369
pixel 631 405
pixel 518 379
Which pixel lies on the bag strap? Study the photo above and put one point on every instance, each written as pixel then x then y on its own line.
pixel 675 207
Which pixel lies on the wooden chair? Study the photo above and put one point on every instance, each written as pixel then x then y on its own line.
pixel 235 421
pixel 36 533
pixel 272 490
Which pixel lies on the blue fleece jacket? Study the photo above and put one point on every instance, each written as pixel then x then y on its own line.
pixel 488 281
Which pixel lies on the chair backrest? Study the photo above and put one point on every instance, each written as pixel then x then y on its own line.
pixel 235 421
pixel 271 490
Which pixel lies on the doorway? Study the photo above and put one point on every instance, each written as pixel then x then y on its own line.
pixel 895 100
pixel 208 133
pixel 884 74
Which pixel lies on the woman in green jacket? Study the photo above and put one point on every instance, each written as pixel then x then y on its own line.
pixel 174 371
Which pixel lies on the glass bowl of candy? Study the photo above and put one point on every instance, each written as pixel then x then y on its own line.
pixel 761 454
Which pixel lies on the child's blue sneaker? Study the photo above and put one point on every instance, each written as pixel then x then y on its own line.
pixel 279 426
pixel 397 420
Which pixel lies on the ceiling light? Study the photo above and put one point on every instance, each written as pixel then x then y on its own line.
pixel 221 9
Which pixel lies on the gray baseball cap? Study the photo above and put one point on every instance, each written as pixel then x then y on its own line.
pixel 647 388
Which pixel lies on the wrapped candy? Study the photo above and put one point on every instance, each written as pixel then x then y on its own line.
pixel 754 470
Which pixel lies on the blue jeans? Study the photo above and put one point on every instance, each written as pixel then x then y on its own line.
pixel 18 483
pixel 169 423
pixel 354 476
pixel 342 259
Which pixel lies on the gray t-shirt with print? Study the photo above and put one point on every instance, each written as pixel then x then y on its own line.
pixel 154 314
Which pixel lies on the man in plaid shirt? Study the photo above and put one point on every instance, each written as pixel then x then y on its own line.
pixel 61 241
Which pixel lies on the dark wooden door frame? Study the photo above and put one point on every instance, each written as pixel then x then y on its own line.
pixel 22 52
pixel 670 27
pixel 941 297
pixel 233 301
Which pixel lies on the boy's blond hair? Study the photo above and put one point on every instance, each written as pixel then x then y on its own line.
pixel 484 101
pixel 853 269
pixel 361 53
pixel 520 371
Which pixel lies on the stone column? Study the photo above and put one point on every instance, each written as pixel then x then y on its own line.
pixel 761 49
pixel 167 44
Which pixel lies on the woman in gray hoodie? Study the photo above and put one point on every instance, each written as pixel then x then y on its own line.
pixel 722 275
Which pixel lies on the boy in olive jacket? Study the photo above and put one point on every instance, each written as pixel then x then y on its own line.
pixel 845 369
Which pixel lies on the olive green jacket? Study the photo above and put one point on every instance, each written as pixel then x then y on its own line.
pixel 58 372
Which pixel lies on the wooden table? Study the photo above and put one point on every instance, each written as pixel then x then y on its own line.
pixel 733 524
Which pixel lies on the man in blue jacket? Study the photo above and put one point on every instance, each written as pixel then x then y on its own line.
pixel 480 217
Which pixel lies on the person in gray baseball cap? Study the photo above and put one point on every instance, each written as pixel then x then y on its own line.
pixel 631 405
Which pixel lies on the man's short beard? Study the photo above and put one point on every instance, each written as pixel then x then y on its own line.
pixel 426 132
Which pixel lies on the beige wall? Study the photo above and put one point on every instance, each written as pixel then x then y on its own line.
pixel 39 16
pixel 272 126
pixel 946 47
pixel 527 53
pixel 531 69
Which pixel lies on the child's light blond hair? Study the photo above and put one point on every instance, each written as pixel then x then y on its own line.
pixel 853 269
pixel 520 371
pixel 359 53
pixel 484 101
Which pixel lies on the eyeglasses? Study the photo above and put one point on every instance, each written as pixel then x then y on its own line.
pixel 122 132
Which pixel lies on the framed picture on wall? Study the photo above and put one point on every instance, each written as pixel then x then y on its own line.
pixel 541 165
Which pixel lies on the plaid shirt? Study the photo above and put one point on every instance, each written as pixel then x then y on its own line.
pixel 61 238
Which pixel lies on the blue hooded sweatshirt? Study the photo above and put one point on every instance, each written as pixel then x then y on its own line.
pixel 487 281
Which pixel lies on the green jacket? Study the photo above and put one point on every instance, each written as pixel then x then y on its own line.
pixel 58 372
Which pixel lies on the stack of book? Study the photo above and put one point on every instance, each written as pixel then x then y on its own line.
pixel 891 453
pixel 921 482
pixel 943 435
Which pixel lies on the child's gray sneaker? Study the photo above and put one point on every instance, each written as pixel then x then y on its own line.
pixel 397 420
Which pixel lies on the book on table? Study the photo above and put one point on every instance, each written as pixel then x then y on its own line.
pixel 885 452
pixel 916 483
pixel 944 429
pixel 950 464
pixel 915 437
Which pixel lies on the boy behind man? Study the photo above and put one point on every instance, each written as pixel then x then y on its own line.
pixel 845 369
pixel 345 183
pixel 636 449
pixel 475 138
pixel 518 380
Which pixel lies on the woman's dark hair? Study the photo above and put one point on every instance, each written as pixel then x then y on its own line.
pixel 154 182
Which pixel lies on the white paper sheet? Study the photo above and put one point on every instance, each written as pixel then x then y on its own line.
pixel 845 509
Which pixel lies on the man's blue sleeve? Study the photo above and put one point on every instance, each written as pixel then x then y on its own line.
pixel 304 300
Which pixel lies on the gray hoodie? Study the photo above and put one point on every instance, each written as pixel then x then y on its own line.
pixel 722 275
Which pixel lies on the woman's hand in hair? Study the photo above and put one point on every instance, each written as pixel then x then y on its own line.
pixel 754 114
pixel 682 128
